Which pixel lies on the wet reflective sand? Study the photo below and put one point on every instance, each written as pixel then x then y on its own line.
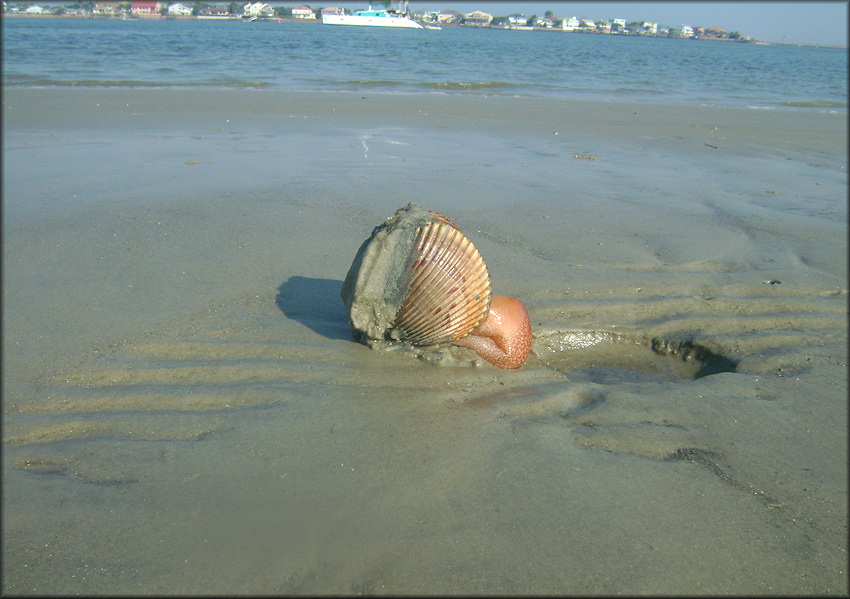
pixel 185 411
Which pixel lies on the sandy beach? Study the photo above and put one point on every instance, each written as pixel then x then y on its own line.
pixel 185 410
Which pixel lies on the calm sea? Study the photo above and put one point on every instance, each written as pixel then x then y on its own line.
pixel 300 56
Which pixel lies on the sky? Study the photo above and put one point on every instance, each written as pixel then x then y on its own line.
pixel 821 23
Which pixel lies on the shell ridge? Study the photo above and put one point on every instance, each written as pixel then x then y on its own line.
pixel 410 311
pixel 425 248
pixel 417 270
pixel 438 276
pixel 464 315
pixel 429 268
pixel 419 258
pixel 433 322
pixel 446 286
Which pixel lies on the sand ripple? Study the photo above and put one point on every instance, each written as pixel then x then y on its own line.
pixel 732 328
pixel 619 370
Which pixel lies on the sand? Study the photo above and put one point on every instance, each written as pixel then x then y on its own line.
pixel 185 409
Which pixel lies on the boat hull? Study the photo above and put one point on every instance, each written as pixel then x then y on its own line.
pixel 370 21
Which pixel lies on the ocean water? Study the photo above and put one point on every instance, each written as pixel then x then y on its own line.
pixel 298 56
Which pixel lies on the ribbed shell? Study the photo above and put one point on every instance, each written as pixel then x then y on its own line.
pixel 448 286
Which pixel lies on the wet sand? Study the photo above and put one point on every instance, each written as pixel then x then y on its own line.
pixel 185 411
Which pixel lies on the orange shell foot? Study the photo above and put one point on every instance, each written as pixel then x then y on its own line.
pixel 504 338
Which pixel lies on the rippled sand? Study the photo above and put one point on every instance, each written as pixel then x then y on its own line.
pixel 185 412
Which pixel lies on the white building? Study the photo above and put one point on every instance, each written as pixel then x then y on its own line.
pixel 179 10
pixel 448 16
pixel 303 12
pixel 570 24
pixel 517 20
pixel 258 9
pixel 683 31
pixel 425 16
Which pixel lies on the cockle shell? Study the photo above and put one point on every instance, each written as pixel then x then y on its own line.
pixel 418 278
pixel 448 286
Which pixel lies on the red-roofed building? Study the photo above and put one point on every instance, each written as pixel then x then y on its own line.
pixel 144 7
pixel 303 12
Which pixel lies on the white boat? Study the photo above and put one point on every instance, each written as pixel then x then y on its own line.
pixel 374 17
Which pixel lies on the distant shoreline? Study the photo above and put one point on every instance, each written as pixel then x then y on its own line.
pixel 444 26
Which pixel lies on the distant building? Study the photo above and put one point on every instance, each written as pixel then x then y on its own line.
pixel 106 8
pixel 332 10
pixel 588 24
pixel 570 24
pixel 517 20
pixel 477 18
pixel 258 9
pixel 683 31
pixel 448 16
pixel 651 28
pixel 714 32
pixel 424 16
pixel 35 10
pixel 214 12
pixel 144 8
pixel 180 10
pixel 619 26
pixel 303 12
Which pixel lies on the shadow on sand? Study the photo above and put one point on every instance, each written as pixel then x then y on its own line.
pixel 316 304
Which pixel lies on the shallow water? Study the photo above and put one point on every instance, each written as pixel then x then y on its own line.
pixel 185 409
pixel 455 60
